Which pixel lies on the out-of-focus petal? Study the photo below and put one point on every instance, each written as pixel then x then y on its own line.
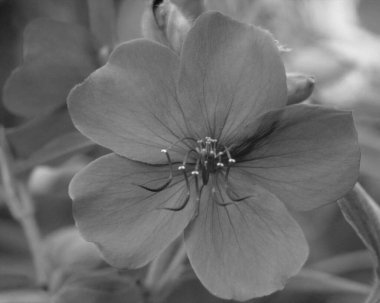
pixel 230 73
pixel 130 104
pixel 57 56
pixel 126 221
pixel 308 157
pixel 246 249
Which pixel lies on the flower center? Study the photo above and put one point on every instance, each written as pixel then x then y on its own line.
pixel 210 157
pixel 205 157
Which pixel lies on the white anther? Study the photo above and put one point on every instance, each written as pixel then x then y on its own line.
pixel 182 167
pixel 164 151
pixel 195 172
pixel 219 164
pixel 231 160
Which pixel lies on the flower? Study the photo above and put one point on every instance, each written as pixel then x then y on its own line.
pixel 205 146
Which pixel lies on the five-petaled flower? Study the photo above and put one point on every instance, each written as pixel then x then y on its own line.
pixel 205 146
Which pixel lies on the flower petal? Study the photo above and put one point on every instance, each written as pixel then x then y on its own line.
pixel 129 105
pixel 311 156
pixel 57 56
pixel 230 73
pixel 247 249
pixel 126 221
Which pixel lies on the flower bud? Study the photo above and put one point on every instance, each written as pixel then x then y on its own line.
pixel 168 22
pixel 300 87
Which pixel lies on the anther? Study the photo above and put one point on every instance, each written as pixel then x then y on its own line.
pixel 219 164
pixel 182 167
pixel 195 172
pixel 231 160
pixel 164 150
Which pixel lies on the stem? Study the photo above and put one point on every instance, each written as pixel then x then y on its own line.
pixel 159 265
pixel 343 263
pixel 374 296
pixel 21 206
pixel 164 271
pixel 32 234
pixel 363 214
pixel 174 269
pixel 154 272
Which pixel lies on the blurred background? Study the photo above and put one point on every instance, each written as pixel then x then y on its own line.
pixel 335 41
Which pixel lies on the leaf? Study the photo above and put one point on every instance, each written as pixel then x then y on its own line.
pixel 309 280
pixel 45 139
pixel 370 148
pixel 28 138
pixel 98 287
pixel 24 296
pixel 345 263
pixel 363 213
pixel 56 149
pixel 66 249
pixel 102 21
pixel 57 56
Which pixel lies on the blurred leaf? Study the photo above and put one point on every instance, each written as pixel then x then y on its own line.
pixel 240 10
pixel 45 139
pixel 102 21
pixel 129 19
pixel 24 296
pixel 369 139
pixel 57 56
pixel 98 287
pixel 60 147
pixel 28 138
pixel 10 281
pixel 344 263
pixel 65 249
pixel 190 8
pixel 363 213
pixel 192 291
pixel 309 280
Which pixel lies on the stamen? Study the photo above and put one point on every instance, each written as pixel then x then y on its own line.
pixel 186 201
pixel 170 178
pixel 196 169
pixel 187 157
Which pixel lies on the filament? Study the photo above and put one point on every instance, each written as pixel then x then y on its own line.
pixel 170 178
